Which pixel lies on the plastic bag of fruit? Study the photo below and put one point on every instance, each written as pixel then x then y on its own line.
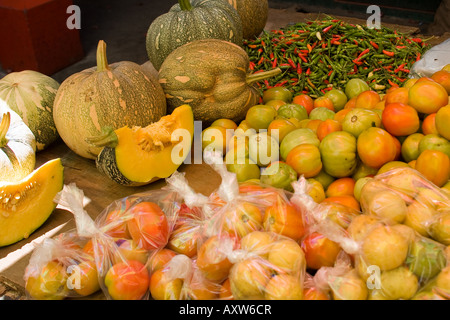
pixel 124 236
pixel 59 268
pixel 405 196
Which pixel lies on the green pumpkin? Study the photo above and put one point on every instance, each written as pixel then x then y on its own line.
pixel 338 151
pixel 109 95
pixel 188 21
pixel 212 76
pixel 31 95
pixel 254 15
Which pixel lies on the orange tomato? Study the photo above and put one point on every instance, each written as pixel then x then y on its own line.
pixel 319 251
pixel 442 121
pixel 305 160
pixel 225 291
pixel 115 223
pixel 340 115
pixel 409 83
pixel 341 187
pixel 314 293
pixel 225 123
pixel 327 126
pixel 162 287
pixel 380 105
pixel 304 100
pixel 392 88
pixel 212 260
pixel 149 227
pixel 399 95
pixel 323 102
pixel 429 124
pixel 434 165
pixel 313 124
pixel 285 219
pixel 346 200
pixel 398 148
pixel 351 103
pixel 127 280
pixel 400 119
pixel 160 258
pixel 276 103
pixel 183 239
pixel 427 96
pixel 367 99
pixel 241 219
pixel 443 78
pixel 283 127
pixel 375 147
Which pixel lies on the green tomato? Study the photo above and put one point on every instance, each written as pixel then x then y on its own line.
pixel 295 138
pixel 338 97
pixel 434 141
pixel 277 93
pixel 410 147
pixel 426 258
pixel 260 116
pixel 245 169
pixel 263 149
pixel 355 86
pixel 324 179
pixel 292 110
pixel 338 151
pixel 321 113
pixel 358 119
pixel 279 175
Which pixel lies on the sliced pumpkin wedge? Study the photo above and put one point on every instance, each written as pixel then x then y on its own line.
pixel 141 155
pixel 26 204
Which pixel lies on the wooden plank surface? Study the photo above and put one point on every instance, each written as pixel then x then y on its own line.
pixel 101 191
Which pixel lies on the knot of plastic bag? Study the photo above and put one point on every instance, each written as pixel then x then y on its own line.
pixel 229 187
pixel 179 267
pixel 178 183
pixel 72 199
pixel 301 198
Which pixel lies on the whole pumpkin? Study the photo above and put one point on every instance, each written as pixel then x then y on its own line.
pixel 31 95
pixel 192 20
pixel 254 15
pixel 17 146
pixel 114 96
pixel 212 76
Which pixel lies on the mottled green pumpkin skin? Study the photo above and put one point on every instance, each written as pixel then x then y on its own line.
pixel 208 19
pixel 31 95
pixel 210 76
pixel 86 102
pixel 254 15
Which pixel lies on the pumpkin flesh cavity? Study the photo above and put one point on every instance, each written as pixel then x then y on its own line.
pixel 145 154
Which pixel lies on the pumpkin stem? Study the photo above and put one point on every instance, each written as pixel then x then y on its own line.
pixel 108 138
pixel 4 127
pixel 102 61
pixel 185 4
pixel 251 78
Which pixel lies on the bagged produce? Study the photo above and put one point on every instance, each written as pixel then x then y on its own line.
pixel 59 268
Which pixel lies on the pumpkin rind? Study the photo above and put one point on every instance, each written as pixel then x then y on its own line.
pixel 31 95
pixel 122 94
pixel 212 76
pixel 17 156
pixel 206 19
pixel 254 15
pixel 128 164
pixel 30 201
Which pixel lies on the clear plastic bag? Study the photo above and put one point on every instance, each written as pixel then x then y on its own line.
pixel 59 268
pixel 433 60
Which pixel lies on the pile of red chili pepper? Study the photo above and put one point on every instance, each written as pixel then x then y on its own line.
pixel 316 56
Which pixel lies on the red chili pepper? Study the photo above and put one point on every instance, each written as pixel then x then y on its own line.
pixel 252 65
pixel 388 53
pixel 374 44
pixel 301 56
pixel 274 63
pixel 363 52
pixel 400 47
pixel 261 60
pixel 357 62
pixel 292 63
pixel 391 83
pixel 400 67
pixel 335 42
pixel 308 71
pixel 253 46
pixel 418 40
pixel 418 56
pixel 271 55
pixel 299 69
pixel 325 30
pixel 263 43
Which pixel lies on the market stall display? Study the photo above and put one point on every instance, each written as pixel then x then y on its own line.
pixel 327 158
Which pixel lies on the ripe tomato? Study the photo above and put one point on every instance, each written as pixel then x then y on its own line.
pixel 442 121
pixel 443 78
pixel 149 227
pixel 340 187
pixel 346 200
pixel 400 119
pixel 427 96
pixel 429 124
pixel 305 160
pixel 327 126
pixel 304 100
pixel 367 99
pixel 285 219
pixel 279 128
pixel 319 251
pixel 375 147
pixel 325 102
pixel 398 95
pixel 434 165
